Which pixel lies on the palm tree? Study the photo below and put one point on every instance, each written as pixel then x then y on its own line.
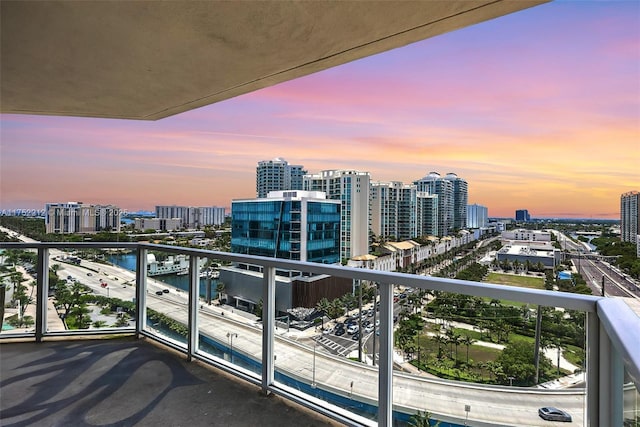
pixel 441 340
pixel 422 419
pixel 468 341
pixel 323 307
pixel 220 287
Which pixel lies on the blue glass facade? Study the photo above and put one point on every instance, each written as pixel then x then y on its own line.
pixel 290 229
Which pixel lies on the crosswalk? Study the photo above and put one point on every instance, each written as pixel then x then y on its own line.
pixel 333 346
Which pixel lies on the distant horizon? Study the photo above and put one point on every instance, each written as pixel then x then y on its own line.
pixel 537 110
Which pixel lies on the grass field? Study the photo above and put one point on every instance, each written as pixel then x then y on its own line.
pixel 514 280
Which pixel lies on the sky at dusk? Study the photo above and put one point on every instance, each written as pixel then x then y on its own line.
pixel 537 110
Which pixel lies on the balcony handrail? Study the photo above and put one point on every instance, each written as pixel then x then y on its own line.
pixel 617 320
pixel 570 301
pixel 619 325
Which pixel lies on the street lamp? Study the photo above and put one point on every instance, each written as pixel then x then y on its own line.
pixel 231 336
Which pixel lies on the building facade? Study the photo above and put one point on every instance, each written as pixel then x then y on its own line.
pixel 477 216
pixel 427 214
pixel 192 217
pixel 158 224
pixel 295 225
pixel 629 216
pixel 433 183
pixel 393 210
pixel 460 200
pixel 352 189
pixel 77 217
pixel 277 175
pixel 522 215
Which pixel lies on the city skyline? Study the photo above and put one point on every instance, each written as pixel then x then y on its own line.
pixel 537 110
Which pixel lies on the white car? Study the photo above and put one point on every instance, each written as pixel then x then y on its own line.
pixel 368 328
pixel 352 329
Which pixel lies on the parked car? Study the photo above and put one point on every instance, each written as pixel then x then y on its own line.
pixel 355 336
pixel 159 292
pixel 166 291
pixel 352 329
pixel 339 332
pixel 368 329
pixel 550 413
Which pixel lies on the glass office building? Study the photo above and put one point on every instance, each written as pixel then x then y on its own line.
pixel 296 225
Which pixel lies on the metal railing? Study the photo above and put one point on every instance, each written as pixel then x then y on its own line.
pixel 613 344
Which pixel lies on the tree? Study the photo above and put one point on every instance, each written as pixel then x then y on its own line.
pixel 220 288
pixel 422 419
pixel 72 299
pixel 468 341
pixel 323 307
pixel 517 361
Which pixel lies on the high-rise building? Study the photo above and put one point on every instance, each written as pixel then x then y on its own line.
pixel 629 216
pixel 444 189
pixel 393 210
pixel 297 225
pixel 477 216
pixel 191 216
pixel 277 175
pixel 523 215
pixel 77 217
pixel 460 199
pixel 426 214
pixel 352 189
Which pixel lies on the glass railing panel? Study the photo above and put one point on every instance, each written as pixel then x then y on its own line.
pixel 18 291
pixel 229 325
pixel 464 359
pixel 631 402
pixel 167 296
pixel 91 288
pixel 324 348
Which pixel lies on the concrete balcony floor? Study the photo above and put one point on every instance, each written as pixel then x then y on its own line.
pixel 126 382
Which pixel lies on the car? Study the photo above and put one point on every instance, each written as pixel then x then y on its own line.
pixel 355 336
pixel 327 331
pixel 352 329
pixel 159 292
pixel 551 413
pixel 89 274
pixel 339 332
pixel 368 329
pixel 166 291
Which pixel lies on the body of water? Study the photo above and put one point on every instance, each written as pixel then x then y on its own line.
pixel 128 261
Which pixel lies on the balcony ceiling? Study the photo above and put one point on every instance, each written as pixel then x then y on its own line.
pixel 147 60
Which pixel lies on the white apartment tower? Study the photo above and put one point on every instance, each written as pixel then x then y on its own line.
pixel 352 189
pixel 629 216
pixel 393 210
pixel 77 217
pixel 192 217
pixel 477 216
pixel 452 194
pixel 277 175
pixel 460 200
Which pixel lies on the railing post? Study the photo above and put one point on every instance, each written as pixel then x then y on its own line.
pixel 194 295
pixel 592 415
pixel 141 290
pixel 611 383
pixel 42 293
pixel 385 368
pixel 268 323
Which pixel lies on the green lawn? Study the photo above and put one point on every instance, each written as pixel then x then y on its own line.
pixel 513 280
